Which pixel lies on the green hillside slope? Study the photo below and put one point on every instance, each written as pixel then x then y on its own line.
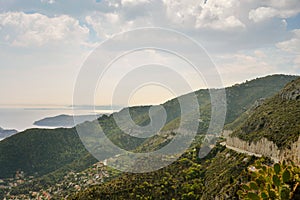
pixel 39 151
pixel 277 119
pixel 240 98
pixel 187 178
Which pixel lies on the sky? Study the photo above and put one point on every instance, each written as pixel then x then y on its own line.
pixel 45 43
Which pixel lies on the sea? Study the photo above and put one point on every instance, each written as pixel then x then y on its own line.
pixel 21 118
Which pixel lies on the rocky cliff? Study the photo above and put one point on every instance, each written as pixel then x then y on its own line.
pixel 267 148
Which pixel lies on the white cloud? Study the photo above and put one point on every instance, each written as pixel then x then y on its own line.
pixel 102 24
pixel 230 27
pixel 262 13
pixel 182 13
pixel 287 8
pixel 245 63
pixel 274 8
pixel 220 15
pixel 133 2
pixel 214 14
pixel 108 24
pixel 21 29
pixel 292 45
pixel 228 23
pixel 238 67
pixel 48 1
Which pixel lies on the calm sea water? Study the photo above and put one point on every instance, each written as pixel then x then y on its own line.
pixel 22 118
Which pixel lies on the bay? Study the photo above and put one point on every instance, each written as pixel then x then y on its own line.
pixel 23 117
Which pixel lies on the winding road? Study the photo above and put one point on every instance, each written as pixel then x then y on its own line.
pixel 276 160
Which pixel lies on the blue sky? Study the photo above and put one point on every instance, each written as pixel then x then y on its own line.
pixel 43 43
pixel 293 22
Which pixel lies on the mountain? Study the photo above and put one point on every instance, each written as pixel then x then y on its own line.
pixel 40 152
pixel 64 120
pixel 4 133
pixel 240 98
pixel 36 147
pixel 223 173
pixel 277 118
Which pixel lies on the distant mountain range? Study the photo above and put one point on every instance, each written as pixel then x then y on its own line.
pixel 6 133
pixel 65 120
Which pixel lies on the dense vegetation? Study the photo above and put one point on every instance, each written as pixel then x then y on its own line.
pixel 187 178
pixel 277 119
pixel 38 152
pixel 280 181
pixel 241 97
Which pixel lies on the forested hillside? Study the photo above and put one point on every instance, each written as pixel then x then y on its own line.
pixel 276 119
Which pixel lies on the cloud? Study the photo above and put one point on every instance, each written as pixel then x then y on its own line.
pixel 102 24
pixel 262 13
pixel 274 8
pixel 215 17
pixel 133 2
pixel 287 8
pixel 106 24
pixel 238 67
pixel 292 45
pixel 227 23
pixel 21 29
pixel 190 15
pixel 234 32
pixel 214 14
pixel 48 1
pixel 245 63
pixel 217 14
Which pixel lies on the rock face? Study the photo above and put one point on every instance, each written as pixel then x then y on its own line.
pixel 292 93
pixel 258 103
pixel 267 148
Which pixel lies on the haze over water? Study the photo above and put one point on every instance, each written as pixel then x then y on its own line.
pixel 22 117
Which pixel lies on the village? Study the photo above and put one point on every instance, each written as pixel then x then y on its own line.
pixel 73 182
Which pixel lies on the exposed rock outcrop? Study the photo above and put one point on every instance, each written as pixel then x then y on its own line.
pixel 267 148
pixel 292 92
